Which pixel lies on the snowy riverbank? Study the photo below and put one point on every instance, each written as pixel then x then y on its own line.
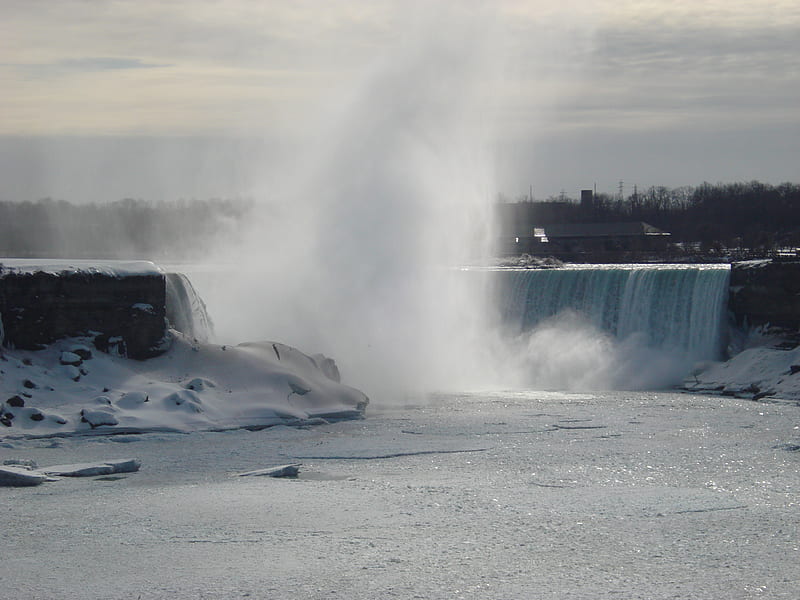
pixel 762 372
pixel 72 388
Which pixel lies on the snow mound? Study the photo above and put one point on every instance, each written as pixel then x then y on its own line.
pixel 193 386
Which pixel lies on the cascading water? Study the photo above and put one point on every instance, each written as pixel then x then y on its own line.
pixel 186 310
pixel 673 307
pixel 660 318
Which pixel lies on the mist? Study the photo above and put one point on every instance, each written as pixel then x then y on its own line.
pixel 569 352
pixel 372 197
pixel 360 252
pixel 357 254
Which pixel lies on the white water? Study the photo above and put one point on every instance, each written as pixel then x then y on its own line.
pixel 186 310
pixel 612 326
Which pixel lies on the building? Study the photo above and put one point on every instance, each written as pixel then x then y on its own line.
pixel 571 240
pixel 606 237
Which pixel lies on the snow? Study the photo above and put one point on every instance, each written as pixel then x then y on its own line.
pixel 70 358
pixel 111 268
pixel 678 496
pixel 193 386
pixel 758 373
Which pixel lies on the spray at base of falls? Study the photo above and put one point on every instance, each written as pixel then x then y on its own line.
pixel 604 327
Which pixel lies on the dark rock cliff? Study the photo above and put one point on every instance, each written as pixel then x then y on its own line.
pixel 124 312
pixel 766 292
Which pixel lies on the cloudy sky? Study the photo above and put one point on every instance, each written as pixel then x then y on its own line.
pixel 160 100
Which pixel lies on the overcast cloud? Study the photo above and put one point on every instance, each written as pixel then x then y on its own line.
pixel 195 99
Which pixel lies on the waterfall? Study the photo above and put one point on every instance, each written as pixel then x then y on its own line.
pixel 186 311
pixel 676 308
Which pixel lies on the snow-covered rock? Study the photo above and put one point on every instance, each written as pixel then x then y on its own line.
pixel 198 384
pixel 70 358
pixel 757 373
pixel 98 417
pixel 193 386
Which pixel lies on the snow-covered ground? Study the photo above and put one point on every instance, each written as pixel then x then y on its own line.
pixel 482 495
pixel 765 370
pixel 62 266
pixel 72 388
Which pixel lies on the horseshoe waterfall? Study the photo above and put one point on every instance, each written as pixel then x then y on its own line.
pixel 675 308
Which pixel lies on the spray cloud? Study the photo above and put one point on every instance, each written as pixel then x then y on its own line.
pixel 355 256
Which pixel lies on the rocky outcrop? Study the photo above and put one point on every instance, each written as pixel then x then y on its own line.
pixel 41 305
pixel 766 292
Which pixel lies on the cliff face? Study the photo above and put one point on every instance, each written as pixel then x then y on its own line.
pixel 124 309
pixel 766 292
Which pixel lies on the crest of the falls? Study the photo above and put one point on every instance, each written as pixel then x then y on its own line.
pixel 675 308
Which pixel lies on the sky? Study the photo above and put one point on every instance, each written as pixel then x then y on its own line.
pixel 164 100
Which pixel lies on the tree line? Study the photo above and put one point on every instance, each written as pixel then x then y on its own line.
pixel 124 229
pixel 750 215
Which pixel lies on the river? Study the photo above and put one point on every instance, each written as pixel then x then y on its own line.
pixel 480 495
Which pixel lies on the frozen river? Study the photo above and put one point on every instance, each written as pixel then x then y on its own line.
pixel 526 495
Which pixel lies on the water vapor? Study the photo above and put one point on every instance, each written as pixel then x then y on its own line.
pixel 355 257
pixel 569 352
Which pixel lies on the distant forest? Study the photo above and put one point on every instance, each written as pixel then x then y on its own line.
pixel 128 228
pixel 750 215
pixel 754 216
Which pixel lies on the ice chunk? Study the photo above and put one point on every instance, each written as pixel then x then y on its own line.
pixel 279 471
pixel 21 462
pixel 125 465
pixel 11 476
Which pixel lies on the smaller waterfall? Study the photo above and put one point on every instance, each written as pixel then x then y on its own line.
pixel 186 311
pixel 675 308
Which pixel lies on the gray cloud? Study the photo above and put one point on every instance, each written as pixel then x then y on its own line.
pixel 710 50
pixel 86 64
pixel 105 63
pixel 627 76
